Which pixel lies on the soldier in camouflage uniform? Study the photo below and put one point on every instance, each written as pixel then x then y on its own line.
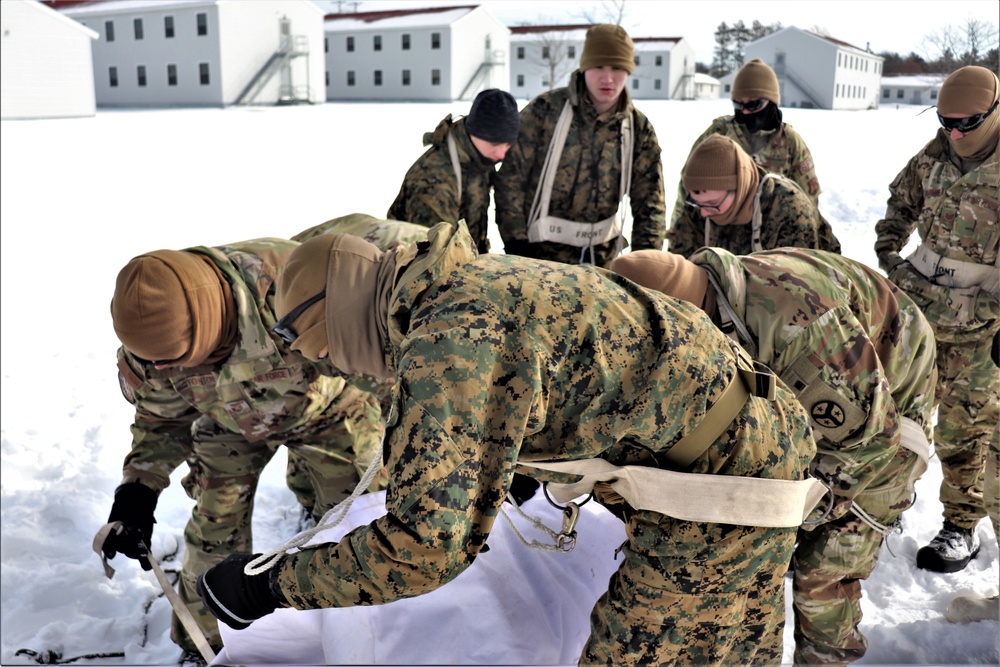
pixel 756 125
pixel 734 204
pixel 948 193
pixel 609 150
pixel 498 361
pixel 212 386
pixel 860 356
pixel 452 179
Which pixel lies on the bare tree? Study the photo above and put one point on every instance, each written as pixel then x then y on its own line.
pixel 612 11
pixel 553 56
pixel 346 6
pixel 970 43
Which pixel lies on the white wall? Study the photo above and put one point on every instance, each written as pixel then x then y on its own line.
pixel 46 69
pixel 534 69
pixel 470 36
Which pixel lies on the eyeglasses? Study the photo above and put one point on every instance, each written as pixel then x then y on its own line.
pixel 750 105
pixel 967 124
pixel 717 206
pixel 284 328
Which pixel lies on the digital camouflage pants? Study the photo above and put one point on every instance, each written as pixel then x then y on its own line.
pixel 326 459
pixel 968 411
pixel 708 594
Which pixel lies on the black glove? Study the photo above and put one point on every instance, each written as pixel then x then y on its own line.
pixel 523 488
pixel 995 352
pixel 235 598
pixel 134 506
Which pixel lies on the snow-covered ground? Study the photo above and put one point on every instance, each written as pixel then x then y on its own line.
pixel 80 197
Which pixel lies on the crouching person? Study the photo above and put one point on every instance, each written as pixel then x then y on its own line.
pixel 213 386
pixel 501 360
pixel 860 355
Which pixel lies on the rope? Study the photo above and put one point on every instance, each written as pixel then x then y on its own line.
pixel 332 518
pixel 537 523
pixel 55 657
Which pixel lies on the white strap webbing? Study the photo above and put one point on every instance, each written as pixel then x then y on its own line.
pixel 913 438
pixel 455 164
pixel 742 501
pixel 955 273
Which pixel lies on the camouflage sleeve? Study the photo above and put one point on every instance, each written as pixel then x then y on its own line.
pixel 803 167
pixel 646 195
pixel 161 430
pixel 901 215
pixel 686 233
pixel 791 220
pixel 513 189
pixel 445 487
pixel 429 195
pixel 854 416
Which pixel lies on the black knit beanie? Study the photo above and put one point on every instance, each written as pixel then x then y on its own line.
pixel 494 117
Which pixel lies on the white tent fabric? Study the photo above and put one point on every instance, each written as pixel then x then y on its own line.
pixel 514 605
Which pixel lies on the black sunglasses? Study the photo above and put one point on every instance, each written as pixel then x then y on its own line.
pixel 284 329
pixel 751 106
pixel 967 124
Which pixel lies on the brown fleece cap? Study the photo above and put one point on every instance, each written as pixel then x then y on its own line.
pixel 968 91
pixel 756 80
pixel 607 44
pixel 665 272
pixel 714 164
pixel 168 306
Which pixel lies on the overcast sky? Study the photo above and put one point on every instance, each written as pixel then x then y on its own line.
pixel 886 25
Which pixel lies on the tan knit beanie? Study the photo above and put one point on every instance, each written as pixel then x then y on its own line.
pixel 756 80
pixel 665 272
pixel 968 91
pixel 171 305
pixel 303 278
pixel 713 165
pixel 607 44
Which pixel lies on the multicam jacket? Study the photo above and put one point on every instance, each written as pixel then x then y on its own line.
pixel 587 183
pixel 788 219
pixel 262 390
pixel 956 216
pixel 854 348
pixel 498 359
pixel 383 233
pixel 781 151
pixel 429 193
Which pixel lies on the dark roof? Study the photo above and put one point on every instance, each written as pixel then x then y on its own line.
pixel 657 39
pixel 525 29
pixel 378 16
pixel 836 41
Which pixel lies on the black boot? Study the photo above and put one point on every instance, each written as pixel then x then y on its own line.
pixel 950 551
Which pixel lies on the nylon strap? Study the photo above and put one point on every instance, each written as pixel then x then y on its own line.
pixel 742 501
pixel 456 165
pixel 195 632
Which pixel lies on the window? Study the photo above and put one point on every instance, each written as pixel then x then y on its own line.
pixel 113 77
pixel 899 94
pixel 406 77
pixel 168 27
pixel 545 82
pixel 406 41
pixel 109 31
pixel 378 77
pixel 729 88
pixel 637 60
pixel 520 81
pixel 435 40
pixel 202 20
pixel 885 94
pixel 171 75
pixel 327 83
pixel 377 43
pixel 137 25
pixel 656 84
pixel 659 61
pixel 326 45
pixel 840 57
pixel 203 73
pixel 635 84
pixel 141 75
pixel 520 53
pixel 435 77
pixel 350 44
pixel 933 94
pixel 545 52
pixel 571 51
pixel 350 77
